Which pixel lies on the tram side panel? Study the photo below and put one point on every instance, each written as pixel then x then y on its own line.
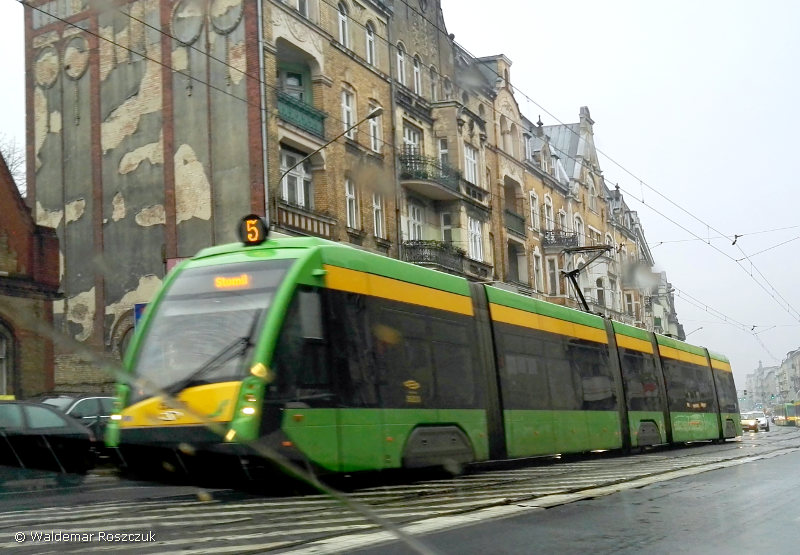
pixel 556 383
pixel 644 390
pixel 694 412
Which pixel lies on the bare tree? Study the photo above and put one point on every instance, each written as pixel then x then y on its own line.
pixel 14 155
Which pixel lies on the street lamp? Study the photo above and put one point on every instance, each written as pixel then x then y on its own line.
pixel 372 115
pixel 691 332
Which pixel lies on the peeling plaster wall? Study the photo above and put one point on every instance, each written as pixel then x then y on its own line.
pixel 132 144
pixel 206 128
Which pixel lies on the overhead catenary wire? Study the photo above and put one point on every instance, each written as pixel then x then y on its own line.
pixel 389 144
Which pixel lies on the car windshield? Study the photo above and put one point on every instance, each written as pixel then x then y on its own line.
pixel 61 403
pixel 204 313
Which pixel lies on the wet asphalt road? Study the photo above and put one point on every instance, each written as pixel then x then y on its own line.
pixel 750 508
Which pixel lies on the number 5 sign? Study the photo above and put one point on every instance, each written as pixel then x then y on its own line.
pixel 252 230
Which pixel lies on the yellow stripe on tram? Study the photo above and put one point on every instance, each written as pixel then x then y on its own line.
pixel 634 343
pixel 673 353
pixel 354 281
pixel 198 405
pixel 518 317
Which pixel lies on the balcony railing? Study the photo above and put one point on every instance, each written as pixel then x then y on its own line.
pixel 300 114
pixel 558 238
pixel 515 223
pixel 436 254
pixel 305 221
pixel 416 166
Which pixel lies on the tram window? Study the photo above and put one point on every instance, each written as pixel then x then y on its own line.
pixel 641 383
pixel 453 369
pixel 726 391
pixel 301 366
pixel 524 382
pixel 564 383
pixel 590 362
pixel 352 360
pixel 689 387
pixel 404 359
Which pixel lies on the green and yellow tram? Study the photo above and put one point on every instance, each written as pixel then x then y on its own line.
pixel 352 361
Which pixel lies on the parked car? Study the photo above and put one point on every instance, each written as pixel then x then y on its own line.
pixel 39 436
pixel 755 421
pixel 93 411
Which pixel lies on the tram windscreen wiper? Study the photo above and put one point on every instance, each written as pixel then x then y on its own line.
pixel 234 349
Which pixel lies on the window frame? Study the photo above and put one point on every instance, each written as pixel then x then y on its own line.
pixel 349 112
pixel 375 130
pixel 534 200
pixel 417 75
pixel 303 176
pixel 351 204
pixel 344 28
pixel 475 230
pixel 371 53
pixel 378 223
pixel 401 64
pixel 416 220
pixel 471 164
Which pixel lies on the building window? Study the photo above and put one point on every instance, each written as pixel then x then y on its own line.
pixel 534 211
pixel 538 278
pixel 447 227
pixel 579 231
pixel 292 84
pixel 417 76
pixel 371 44
pixel 348 114
pixel 352 204
pixel 448 89
pixel 471 164
pixel 601 292
pixel 592 196
pixel 552 277
pixel 629 304
pixel 549 223
pixel 375 132
pixel 416 217
pixel 612 290
pixel 296 185
pixel 411 139
pixel 377 216
pixel 562 220
pixel 300 5
pixel 434 84
pixel 475 239
pixel 401 64
pixel 343 31
pixel 444 157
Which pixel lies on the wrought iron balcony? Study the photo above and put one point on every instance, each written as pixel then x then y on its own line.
pixel 300 114
pixel 515 223
pixel 434 254
pixel 424 168
pixel 558 238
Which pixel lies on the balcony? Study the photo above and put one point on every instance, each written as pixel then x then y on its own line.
pixel 515 223
pixel 300 114
pixel 304 221
pixel 428 177
pixel 558 238
pixel 434 254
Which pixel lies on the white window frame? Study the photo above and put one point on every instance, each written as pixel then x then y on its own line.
pixel 416 220
pixel 434 84
pixel 375 130
pixel 471 163
pixel 378 224
pixel 444 152
pixel 447 226
pixel 580 230
pixel 538 269
pixel 344 37
pixel 553 285
pixel 349 113
pixel 475 229
pixel 301 176
pixel 370 42
pixel 401 64
pixel 534 198
pixel 412 137
pixel 351 202
pixel 417 75
pixel 562 219
pixel 592 196
pixel 549 217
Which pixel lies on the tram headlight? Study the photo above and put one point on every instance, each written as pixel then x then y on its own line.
pixel 116 417
pixel 249 410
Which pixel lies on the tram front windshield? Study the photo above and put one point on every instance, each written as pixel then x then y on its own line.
pixel 204 325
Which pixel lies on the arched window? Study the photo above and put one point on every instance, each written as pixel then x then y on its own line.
pixel 370 43
pixel 348 112
pixel 514 141
pixel 549 222
pixel 417 76
pixel 344 38
pixel 401 64
pixel 601 292
pixel 434 84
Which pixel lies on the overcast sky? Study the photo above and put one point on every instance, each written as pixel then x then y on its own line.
pixel 696 99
